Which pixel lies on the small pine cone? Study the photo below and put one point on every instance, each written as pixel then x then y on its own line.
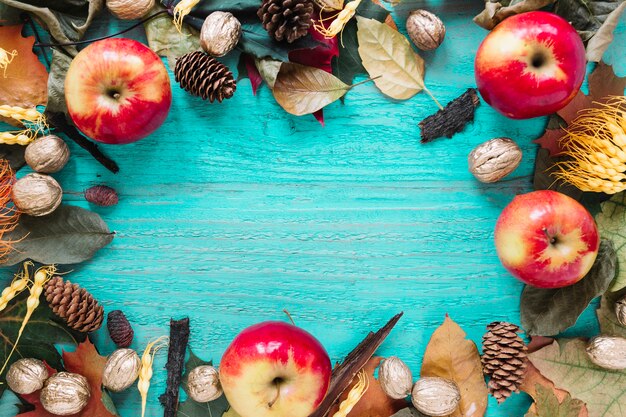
pixel 504 359
pixel 286 19
pixel 204 76
pixel 74 304
pixel 101 195
pixel 120 330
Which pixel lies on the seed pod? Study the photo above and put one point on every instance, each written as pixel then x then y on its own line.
pixel 395 378
pixel 620 311
pixel 203 384
pixel 436 397
pixel 65 393
pixel 495 159
pixel 425 29
pixel 608 352
pixel 220 33
pixel 101 195
pixel 27 375
pixel 37 194
pixel 120 330
pixel 130 9
pixel 121 370
pixel 47 154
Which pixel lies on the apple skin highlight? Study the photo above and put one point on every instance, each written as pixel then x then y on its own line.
pixel 532 64
pixel 117 91
pixel 274 356
pixel 546 239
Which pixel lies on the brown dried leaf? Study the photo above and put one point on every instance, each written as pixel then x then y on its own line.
pixel 551 141
pixel 494 13
pixel 603 82
pixel 604 36
pixel 569 112
pixel 26 81
pixel 374 403
pixel 450 355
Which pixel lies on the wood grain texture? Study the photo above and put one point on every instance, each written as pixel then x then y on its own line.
pixel 231 213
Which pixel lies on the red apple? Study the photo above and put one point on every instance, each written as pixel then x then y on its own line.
pixel 275 369
pixel 546 239
pixel 117 91
pixel 532 64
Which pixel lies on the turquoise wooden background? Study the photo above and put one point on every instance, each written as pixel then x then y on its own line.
pixel 231 213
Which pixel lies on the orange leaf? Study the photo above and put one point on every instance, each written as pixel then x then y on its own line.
pixel 87 362
pixel 374 403
pixel 26 81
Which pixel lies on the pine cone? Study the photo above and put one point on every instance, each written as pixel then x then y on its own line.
pixel 286 19
pixel 120 330
pixel 504 359
pixel 101 195
pixel 204 76
pixel 74 305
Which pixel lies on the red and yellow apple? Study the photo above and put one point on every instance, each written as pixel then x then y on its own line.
pixel 546 239
pixel 117 91
pixel 275 369
pixel 532 64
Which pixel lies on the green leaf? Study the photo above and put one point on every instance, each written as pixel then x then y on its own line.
pixel 38 338
pixel 303 90
pixel 9 15
pixel 165 40
pixel 191 408
pixel 587 16
pixel 14 154
pixel 612 225
pixel 599 43
pixel 67 236
pixel 408 412
pixel 56 81
pixel 65 20
pixel 609 326
pixel 548 312
pixel 548 404
pixel 567 365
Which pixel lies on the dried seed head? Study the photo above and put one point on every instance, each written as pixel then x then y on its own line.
pixel 436 397
pixel 620 311
pixel 425 29
pixel 121 370
pixel 395 378
pixel 495 159
pixel 101 195
pixel 608 352
pixel 130 9
pixel 65 393
pixel 37 194
pixel 47 154
pixel 27 375
pixel 220 33
pixel 203 384
pixel 120 330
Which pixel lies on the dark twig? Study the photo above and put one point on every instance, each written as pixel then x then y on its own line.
pixel 58 120
pixel 179 337
pixel 354 362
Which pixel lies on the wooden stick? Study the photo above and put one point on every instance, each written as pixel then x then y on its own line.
pixel 179 337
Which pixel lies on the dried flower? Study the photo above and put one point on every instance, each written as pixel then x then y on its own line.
pixel 595 143
pixel 101 195
pixel 27 375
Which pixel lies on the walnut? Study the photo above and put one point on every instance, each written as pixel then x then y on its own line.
pixel 495 159
pixel 65 393
pixel 121 370
pixel 130 9
pixel 26 376
pixel 620 311
pixel 436 397
pixel 425 29
pixel 395 378
pixel 47 154
pixel 37 194
pixel 203 384
pixel 220 33
pixel 608 352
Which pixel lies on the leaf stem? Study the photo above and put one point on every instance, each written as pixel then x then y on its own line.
pixel 364 81
pixel 427 91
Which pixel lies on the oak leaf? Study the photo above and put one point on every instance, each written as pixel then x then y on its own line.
pixel 548 405
pixel 25 81
pixel 450 355
pixel 611 221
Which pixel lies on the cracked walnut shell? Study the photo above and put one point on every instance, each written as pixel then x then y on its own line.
pixel 37 194
pixel 495 159
pixel 27 375
pixel 203 384
pixel 130 9
pixel 47 154
pixel 220 33
pixel 121 370
pixel 425 29
pixel 65 394
pixel 608 352
pixel 395 378
pixel 436 397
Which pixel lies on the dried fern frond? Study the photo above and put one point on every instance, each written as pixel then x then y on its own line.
pixel 595 147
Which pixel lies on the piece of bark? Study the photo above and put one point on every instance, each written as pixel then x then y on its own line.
pixel 451 119
pixel 179 337
pixel 352 364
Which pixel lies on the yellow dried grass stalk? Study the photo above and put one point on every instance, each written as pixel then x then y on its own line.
pixel 22 114
pixel 595 144
pixel 145 372
pixel 21 137
pixel 355 394
pixel 19 284
pixel 181 10
pixel 340 20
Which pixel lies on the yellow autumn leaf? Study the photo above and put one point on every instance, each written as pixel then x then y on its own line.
pixel 387 54
pixel 450 355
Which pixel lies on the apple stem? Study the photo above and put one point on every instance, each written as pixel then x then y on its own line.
pixel 289 315
pixel 277 385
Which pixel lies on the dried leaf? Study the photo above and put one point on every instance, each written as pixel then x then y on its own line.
pixel 408 412
pixel 611 221
pixel 494 12
pixel 69 235
pixel 569 112
pixel 247 68
pixel 603 82
pixel 548 405
pixel 566 364
pixel 25 83
pixel 387 54
pixel 450 355
pixel 268 69
pixel 551 141
pixel 586 16
pixel 604 36
pixel 303 90
pixel 609 326
pixel 548 312
pixel 56 82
